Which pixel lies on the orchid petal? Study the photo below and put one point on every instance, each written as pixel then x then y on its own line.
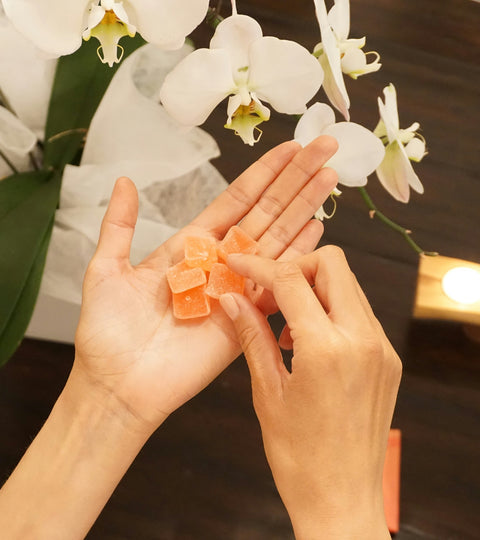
pixel 337 97
pixel 415 149
pixel 54 26
pixel 354 63
pixel 235 34
pixel 389 112
pixel 339 18
pixel 197 85
pixel 283 73
pixel 166 23
pixel 359 153
pixel 29 101
pixel 313 123
pixel 334 85
pixel 396 173
pixel 152 65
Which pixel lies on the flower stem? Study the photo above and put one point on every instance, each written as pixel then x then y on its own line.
pixel 406 233
pixel 213 17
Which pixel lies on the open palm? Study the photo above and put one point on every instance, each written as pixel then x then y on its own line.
pixel 128 340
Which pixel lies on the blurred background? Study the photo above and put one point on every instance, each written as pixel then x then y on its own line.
pixel 204 474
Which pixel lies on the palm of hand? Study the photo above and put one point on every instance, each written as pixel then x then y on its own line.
pixel 128 340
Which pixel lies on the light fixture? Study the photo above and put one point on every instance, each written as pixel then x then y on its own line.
pixel 449 289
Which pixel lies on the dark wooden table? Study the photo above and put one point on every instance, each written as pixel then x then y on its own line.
pixel 204 475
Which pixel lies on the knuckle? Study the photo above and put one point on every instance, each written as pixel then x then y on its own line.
pixel 270 205
pixel 280 233
pixel 238 195
pixel 331 251
pixel 286 273
pixel 247 336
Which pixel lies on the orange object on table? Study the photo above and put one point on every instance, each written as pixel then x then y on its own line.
pixel 200 251
pixel 182 277
pixel 391 481
pixel 191 304
pixel 236 241
pixel 223 280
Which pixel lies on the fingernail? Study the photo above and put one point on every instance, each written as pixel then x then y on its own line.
pixel 229 305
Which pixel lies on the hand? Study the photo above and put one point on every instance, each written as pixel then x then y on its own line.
pixel 325 424
pixel 128 344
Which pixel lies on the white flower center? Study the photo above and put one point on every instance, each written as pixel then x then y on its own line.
pixel 108 22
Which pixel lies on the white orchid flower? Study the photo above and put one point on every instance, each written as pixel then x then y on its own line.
pixel 248 67
pixel 58 26
pixel 359 152
pixel 396 173
pixel 338 54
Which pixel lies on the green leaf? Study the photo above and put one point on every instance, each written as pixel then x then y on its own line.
pixel 17 324
pixel 24 230
pixel 80 83
pixel 18 187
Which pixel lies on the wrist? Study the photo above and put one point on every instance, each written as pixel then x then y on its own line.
pixel 347 519
pixel 89 393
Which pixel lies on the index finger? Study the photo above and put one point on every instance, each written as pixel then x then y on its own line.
pixel 292 291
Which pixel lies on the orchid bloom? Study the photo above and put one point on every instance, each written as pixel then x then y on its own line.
pixel 359 152
pixel 58 26
pixel 248 67
pixel 338 54
pixel 396 173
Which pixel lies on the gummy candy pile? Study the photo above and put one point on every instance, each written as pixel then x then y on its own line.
pixel 203 274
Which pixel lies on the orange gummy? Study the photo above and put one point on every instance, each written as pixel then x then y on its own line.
pixel 182 277
pixel 201 252
pixel 223 280
pixel 236 241
pixel 191 304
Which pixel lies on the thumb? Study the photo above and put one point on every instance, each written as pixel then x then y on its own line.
pixel 258 343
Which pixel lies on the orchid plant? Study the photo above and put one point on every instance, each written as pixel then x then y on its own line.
pixel 72 50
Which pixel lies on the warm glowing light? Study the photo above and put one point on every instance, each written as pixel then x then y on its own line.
pixel 462 285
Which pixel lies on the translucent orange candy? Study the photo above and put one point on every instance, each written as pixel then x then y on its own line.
pixel 200 252
pixel 191 304
pixel 236 241
pixel 182 277
pixel 223 280
pixel 200 276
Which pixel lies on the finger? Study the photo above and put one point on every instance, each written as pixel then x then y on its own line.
pixel 118 225
pixel 301 169
pixel 305 242
pixel 281 233
pixel 258 343
pixel 335 285
pixel 293 293
pixel 242 194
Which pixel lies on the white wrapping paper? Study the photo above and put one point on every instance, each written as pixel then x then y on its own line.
pixel 130 135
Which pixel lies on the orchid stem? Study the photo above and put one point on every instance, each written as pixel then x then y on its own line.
pixel 213 17
pixel 375 212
